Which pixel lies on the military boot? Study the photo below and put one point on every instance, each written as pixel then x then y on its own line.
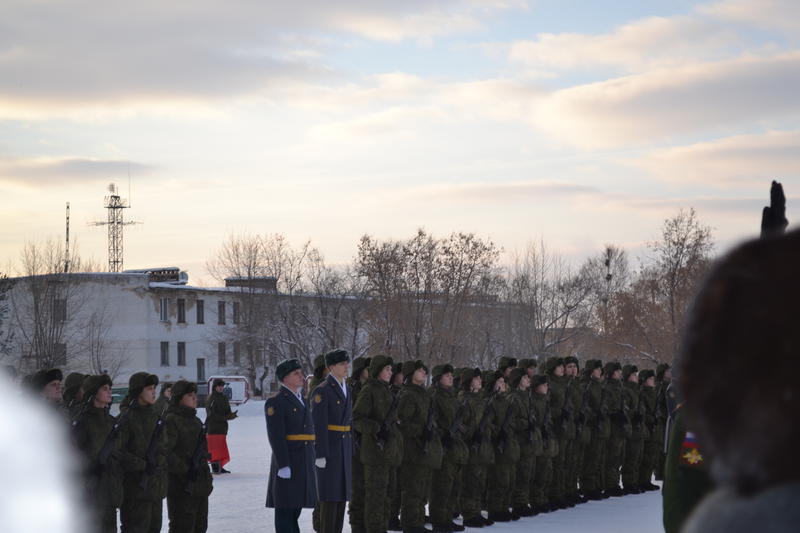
pixel 475 521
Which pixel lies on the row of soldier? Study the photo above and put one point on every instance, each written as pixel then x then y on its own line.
pixel 156 448
pixel 513 442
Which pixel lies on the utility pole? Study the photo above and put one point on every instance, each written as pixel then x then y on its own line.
pixel 66 248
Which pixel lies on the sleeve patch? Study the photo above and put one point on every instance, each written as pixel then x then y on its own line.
pixel 270 411
pixel 317 398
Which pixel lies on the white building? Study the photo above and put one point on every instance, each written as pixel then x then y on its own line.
pixel 138 320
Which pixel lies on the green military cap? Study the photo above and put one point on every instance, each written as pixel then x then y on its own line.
pixel 92 384
pixel 359 364
pixel 139 381
pixel 378 363
pixel 441 370
pixel 181 388
pixel 527 363
pixel 397 368
pixel 466 375
pixel 516 376
pixel 660 370
pixel 553 362
pixel 319 365
pixel 506 362
pixel 409 367
pixel 73 383
pixel 611 367
pixel 645 374
pixel 489 377
pixel 540 379
pixel 627 370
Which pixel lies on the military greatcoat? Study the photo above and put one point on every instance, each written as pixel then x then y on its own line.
pixel 332 412
pixel 290 430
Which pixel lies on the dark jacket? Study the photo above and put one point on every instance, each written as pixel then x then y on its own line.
pixel 481 451
pixel 448 406
pixel 619 409
pixel 103 484
pixel 290 430
pixel 505 444
pixel 218 410
pixel 370 411
pixel 686 482
pixel 526 428
pixel 632 392
pixel 597 409
pixel 185 437
pixel 332 412
pixel 413 408
pixel 136 437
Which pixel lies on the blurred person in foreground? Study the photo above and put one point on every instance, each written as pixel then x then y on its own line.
pixel 42 468
pixel 738 370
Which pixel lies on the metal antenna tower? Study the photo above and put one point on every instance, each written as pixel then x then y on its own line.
pixel 115 204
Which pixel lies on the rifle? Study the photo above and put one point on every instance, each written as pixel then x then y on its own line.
pixel 199 457
pixel 582 410
pixel 502 435
pixel 428 430
pixel 531 418
pixel 456 424
pixel 546 425
pixel 623 413
pixel 150 456
pixel 566 411
pixel 477 437
pixel 78 420
pixel 601 415
pixel 103 455
pixel 383 433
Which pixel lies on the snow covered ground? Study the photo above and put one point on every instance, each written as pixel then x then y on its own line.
pixel 237 503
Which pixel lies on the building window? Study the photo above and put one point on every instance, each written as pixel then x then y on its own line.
pixel 60 354
pixel 181 354
pixel 59 310
pixel 164 310
pixel 221 355
pixel 235 312
pixel 164 354
pixel 181 311
pixel 201 312
pixel 201 369
pixel 237 353
pixel 221 313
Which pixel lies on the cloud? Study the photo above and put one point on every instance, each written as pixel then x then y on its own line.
pixel 737 160
pixel 766 14
pixel 664 103
pixel 89 55
pixel 501 192
pixel 44 172
pixel 653 41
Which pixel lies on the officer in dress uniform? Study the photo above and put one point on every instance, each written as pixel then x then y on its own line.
pixel 332 412
pixel 290 429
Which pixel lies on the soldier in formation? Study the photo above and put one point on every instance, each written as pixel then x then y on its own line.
pixel 128 461
pixel 403 446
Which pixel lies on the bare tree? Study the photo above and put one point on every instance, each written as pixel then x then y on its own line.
pixel 551 303
pixel 47 303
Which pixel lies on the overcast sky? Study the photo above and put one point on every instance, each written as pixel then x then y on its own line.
pixel 581 123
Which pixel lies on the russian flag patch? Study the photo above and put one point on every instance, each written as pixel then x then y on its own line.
pixel 691 454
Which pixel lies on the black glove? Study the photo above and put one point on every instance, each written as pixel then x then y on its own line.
pixel 447 440
pixel 383 433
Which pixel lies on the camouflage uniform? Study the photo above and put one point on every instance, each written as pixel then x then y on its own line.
pixel 381 445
